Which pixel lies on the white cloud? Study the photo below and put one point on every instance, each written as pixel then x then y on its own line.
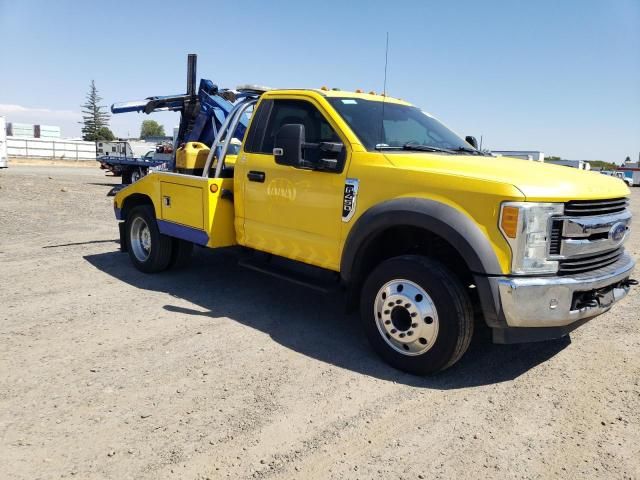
pixel 67 120
pixel 70 121
pixel 19 110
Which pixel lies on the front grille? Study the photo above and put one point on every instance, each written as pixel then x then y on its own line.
pixel 581 208
pixel 556 237
pixel 591 262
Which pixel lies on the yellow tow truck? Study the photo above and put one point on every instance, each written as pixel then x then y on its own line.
pixel 379 200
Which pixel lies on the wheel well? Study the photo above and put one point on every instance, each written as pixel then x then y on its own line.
pixel 406 240
pixel 133 201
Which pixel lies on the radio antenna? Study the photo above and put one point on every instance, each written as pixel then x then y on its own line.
pixel 386 62
pixel 384 89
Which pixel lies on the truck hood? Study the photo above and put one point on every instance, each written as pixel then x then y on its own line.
pixel 536 180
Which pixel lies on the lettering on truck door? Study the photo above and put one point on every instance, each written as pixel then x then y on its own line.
pixel 293 211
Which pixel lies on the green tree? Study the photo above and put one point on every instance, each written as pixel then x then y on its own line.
pixel 599 164
pixel 151 128
pixel 551 158
pixel 627 160
pixel 105 133
pixel 95 118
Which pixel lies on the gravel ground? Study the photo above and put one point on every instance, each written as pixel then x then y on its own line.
pixel 219 372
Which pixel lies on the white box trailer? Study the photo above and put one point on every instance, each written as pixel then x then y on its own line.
pixel 124 148
pixel 3 143
pixel 632 171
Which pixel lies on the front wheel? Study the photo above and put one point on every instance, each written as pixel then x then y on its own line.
pixel 416 314
pixel 149 250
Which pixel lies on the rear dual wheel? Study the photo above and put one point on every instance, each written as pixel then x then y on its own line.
pixel 416 314
pixel 149 250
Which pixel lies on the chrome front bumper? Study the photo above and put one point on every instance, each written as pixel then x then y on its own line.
pixel 550 301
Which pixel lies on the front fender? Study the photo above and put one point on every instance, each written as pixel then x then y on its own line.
pixel 441 219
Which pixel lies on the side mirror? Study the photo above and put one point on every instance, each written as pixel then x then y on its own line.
pixel 471 141
pixel 288 144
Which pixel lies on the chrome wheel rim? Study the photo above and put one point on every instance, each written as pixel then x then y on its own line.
pixel 135 176
pixel 140 239
pixel 406 317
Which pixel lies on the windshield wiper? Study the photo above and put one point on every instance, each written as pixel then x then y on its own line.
pixel 472 151
pixel 425 148
pixel 383 146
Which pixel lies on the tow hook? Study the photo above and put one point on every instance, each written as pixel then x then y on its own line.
pixel 603 297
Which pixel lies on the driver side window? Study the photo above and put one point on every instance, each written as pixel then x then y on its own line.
pixel 283 112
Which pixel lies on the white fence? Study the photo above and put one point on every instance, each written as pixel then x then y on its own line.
pixel 51 148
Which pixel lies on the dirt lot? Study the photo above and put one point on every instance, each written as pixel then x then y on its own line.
pixel 219 372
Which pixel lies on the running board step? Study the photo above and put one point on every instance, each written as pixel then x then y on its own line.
pixel 325 282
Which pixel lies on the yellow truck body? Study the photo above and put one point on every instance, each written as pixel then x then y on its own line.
pixel 318 217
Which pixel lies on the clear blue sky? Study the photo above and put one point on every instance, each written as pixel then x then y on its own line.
pixel 558 76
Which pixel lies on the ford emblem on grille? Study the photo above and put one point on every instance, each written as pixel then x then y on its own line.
pixel 618 232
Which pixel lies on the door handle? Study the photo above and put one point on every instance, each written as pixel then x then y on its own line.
pixel 254 176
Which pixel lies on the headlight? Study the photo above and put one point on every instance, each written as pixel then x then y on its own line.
pixel 527 227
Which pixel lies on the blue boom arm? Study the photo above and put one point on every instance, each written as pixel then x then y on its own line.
pixel 201 115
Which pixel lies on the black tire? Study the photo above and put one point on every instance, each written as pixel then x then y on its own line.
pixel 158 255
pixel 137 174
pixel 126 177
pixel 453 314
pixel 181 254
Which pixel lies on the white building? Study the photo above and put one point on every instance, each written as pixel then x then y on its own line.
pixel 3 144
pixel 522 154
pixel 579 164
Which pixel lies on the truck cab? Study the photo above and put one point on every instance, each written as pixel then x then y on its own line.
pixel 421 230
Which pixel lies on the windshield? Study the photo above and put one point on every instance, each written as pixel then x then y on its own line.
pixel 402 127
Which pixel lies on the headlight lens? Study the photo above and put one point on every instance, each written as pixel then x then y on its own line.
pixel 527 227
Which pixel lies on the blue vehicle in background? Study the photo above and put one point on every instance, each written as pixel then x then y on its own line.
pixel 131 168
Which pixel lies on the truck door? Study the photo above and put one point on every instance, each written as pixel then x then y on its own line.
pixel 290 211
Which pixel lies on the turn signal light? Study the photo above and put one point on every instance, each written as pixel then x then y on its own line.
pixel 359 90
pixel 324 88
pixel 213 187
pixel 509 221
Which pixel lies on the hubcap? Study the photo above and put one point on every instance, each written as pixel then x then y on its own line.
pixel 140 239
pixel 406 317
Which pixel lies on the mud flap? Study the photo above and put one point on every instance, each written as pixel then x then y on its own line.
pixel 123 242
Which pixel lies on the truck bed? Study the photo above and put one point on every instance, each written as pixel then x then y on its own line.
pixel 108 160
